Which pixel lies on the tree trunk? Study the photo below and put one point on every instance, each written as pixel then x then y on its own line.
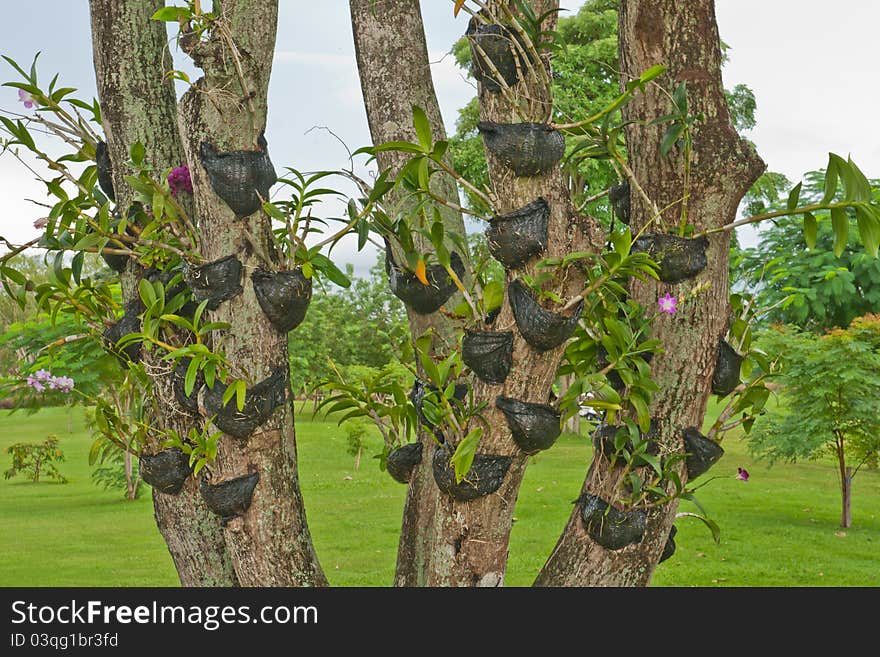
pixel 684 37
pixel 138 104
pixel 270 543
pixel 468 540
pixel 846 497
pixel 130 486
pixel 391 85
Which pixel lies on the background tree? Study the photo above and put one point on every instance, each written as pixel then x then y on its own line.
pixel 811 279
pixel 829 387
pixel 367 322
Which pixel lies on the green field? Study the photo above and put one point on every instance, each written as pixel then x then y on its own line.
pixel 779 529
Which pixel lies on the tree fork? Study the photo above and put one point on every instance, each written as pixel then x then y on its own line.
pixel 684 37
pixel 138 104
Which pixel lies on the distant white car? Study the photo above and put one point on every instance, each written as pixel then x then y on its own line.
pixel 588 412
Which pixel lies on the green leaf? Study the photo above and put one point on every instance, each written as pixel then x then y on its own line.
pixel 642 410
pixel 672 135
pixel 653 461
pixel 793 197
pixel 711 524
pixel 273 211
pixel 493 295
pixel 137 153
pixel 830 180
pixel 171 14
pixel 240 393
pixel 810 229
pixel 189 381
pixel 464 454
pixel 87 242
pixel 331 271
pixel 146 292
pixel 679 97
pixel 840 226
pixel 869 229
pixel 423 128
pixel 403 146
pixel 651 73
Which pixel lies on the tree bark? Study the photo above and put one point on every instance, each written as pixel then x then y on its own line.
pixel 846 497
pixel 138 104
pixel 684 37
pixel 270 544
pixel 391 85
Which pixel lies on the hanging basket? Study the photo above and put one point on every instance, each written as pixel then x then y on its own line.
pixel 619 195
pixel 284 296
pixel 423 299
pixel 241 178
pixel 518 236
pixel 216 281
pixel 725 379
pixel 489 354
pixel 534 427
pixel 231 498
pixel 402 460
pixel 485 476
pixel 499 50
pixel 130 322
pixel 166 471
pixel 530 149
pixel 669 548
pixel 611 528
pixel 542 329
pixel 178 382
pixel 679 257
pixel 702 453
pixel 259 403
pixel 105 170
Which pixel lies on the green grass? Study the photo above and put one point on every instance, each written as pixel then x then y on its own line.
pixel 779 529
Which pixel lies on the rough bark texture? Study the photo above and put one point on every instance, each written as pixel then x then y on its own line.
pixel 683 36
pixel 391 84
pixel 270 543
pixel 138 104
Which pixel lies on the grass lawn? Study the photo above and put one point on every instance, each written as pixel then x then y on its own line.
pixel 779 529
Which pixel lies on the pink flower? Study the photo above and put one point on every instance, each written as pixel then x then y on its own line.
pixel 62 383
pixel 39 224
pixel 36 385
pixel 179 180
pixel 40 379
pixel 26 98
pixel 742 475
pixel 668 304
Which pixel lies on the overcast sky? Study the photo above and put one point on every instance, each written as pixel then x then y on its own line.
pixel 812 66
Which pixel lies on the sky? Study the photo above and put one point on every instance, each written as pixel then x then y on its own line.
pixel 811 65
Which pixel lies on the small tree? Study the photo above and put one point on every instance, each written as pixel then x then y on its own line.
pixel 830 385
pixel 35 459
